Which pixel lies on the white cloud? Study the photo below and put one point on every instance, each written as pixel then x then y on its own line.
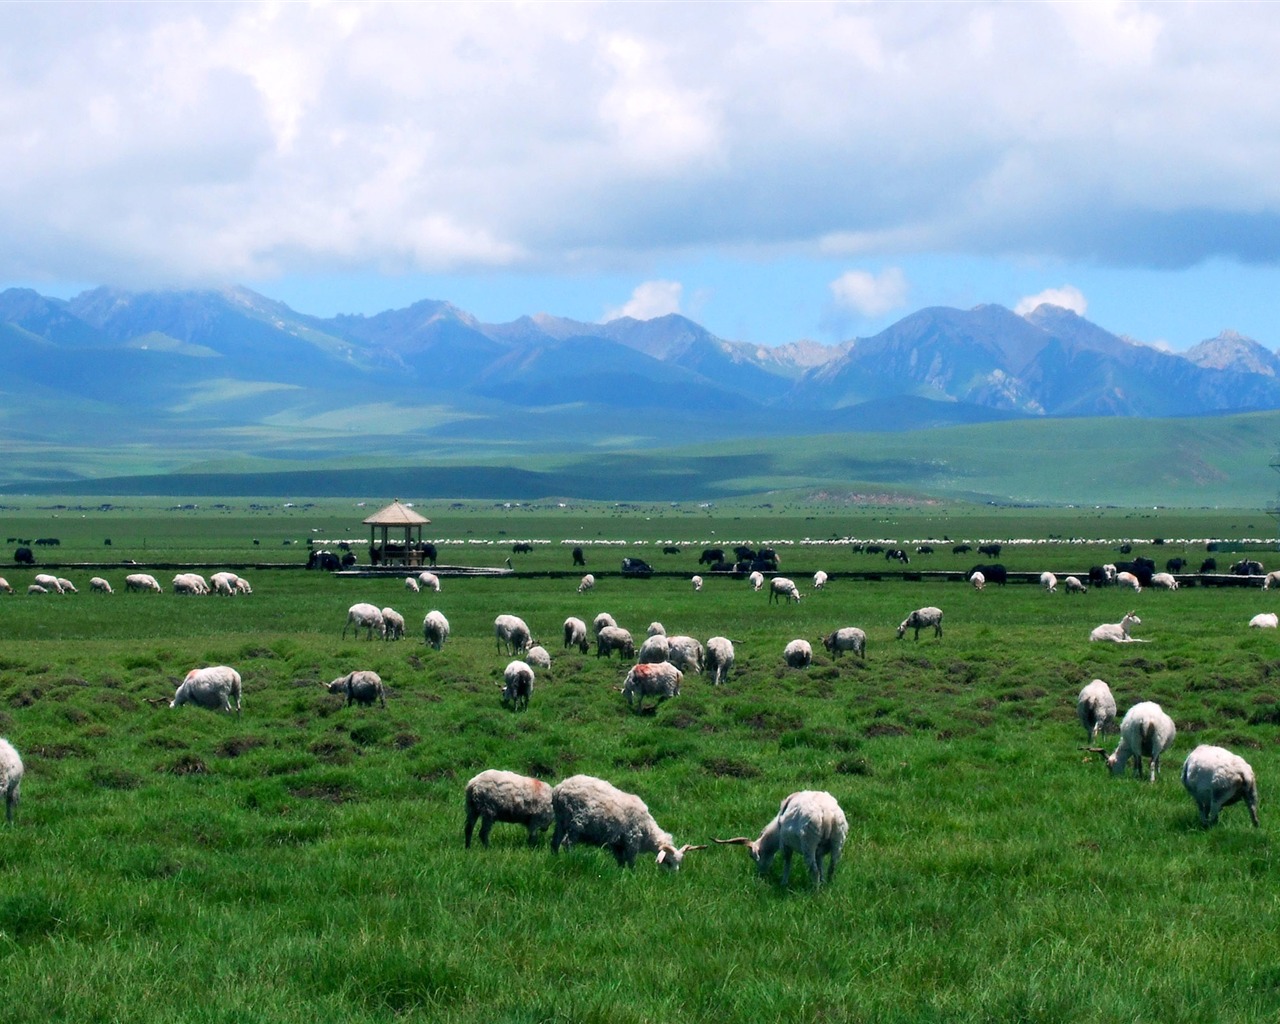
pixel 651 299
pixel 1068 297
pixel 870 294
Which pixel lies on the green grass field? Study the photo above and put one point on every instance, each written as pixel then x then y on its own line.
pixel 305 862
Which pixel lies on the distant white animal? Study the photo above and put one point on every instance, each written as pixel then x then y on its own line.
pixel 511 634
pixel 35 588
pixel 213 688
pixel 615 638
pixel 1272 580
pixel 649 679
pixel 517 685
pixel 67 586
pixel 1117 632
pixel 781 589
pixel 847 638
pixel 430 581
pixel 190 583
pixel 592 811
pixel 1128 579
pixel 654 649
pixel 798 654
pixel 11 772
pixel 810 823
pixel 602 620
pixel 538 657
pixel 361 687
pixel 697 582
pixel 1145 731
pixel 50 583
pixel 656 629
pixel 922 618
pixel 6 586
pixel 411 583
pixel 819 580
pixel 1265 620
pixel 1166 580
pixel 142 581
pixel 719 659
pixel 978 580
pixel 685 653
pixel 393 624
pixel 588 581
pixel 1049 581
pixel 756 579
pixel 575 634
pixel 1096 709
pixel 1217 778
pixel 1074 586
pixel 367 617
pixel 496 795
pixel 435 629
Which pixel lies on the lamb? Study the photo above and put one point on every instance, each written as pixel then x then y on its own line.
pixel 591 810
pixel 655 649
pixel 67 586
pixel 615 638
pixel 11 771
pixel 511 634
pixel 661 680
pixel 6 586
pixel 756 579
pixel 365 616
pixel 781 588
pixel 394 624
pixel 411 583
pixel 50 583
pixel 719 659
pixel 429 580
pixel 142 581
pixel 1273 578
pixel 361 687
pixel 922 618
pixel 978 580
pixel 1049 581
pixel 602 620
pixel 1164 579
pixel 685 653
pixel 517 685
pixel 1264 620
pixel 1145 731
pixel 847 638
pixel 496 795
pixel 1128 579
pixel 809 822
pixel 35 588
pixel 819 580
pixel 538 657
pixel 1217 778
pixel 100 586
pixel 798 654
pixel 697 582
pixel 1117 632
pixel 1074 586
pixel 656 629
pixel 242 586
pixel 211 688
pixel 575 634
pixel 1096 709
pixel 588 581
pixel 435 629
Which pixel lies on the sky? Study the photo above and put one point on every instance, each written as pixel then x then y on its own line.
pixel 775 172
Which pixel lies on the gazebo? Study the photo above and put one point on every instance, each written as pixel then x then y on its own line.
pixel 396 517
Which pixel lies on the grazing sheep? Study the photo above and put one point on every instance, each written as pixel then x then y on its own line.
pixel 654 649
pixel 1217 778
pixel 511 635
pixel 1264 620
pixel 819 580
pixel 242 586
pixel 538 657
pixel 798 654
pixel 697 582
pixel 781 588
pixel 496 795
pixel 211 688
pixel 67 586
pixel 978 580
pixel 50 583
pixel 429 580
pixel 809 822
pixel 517 685
pixel 602 620
pixel 1074 586
pixel 922 618
pixel 223 583
pixel 394 624
pixel 411 583
pixel 756 579
pixel 1096 709
pixel 656 629
pixel 1165 580
pixel 35 588
pixel 685 653
pixel 1145 731
pixel 11 771
pixel 575 634
pixel 365 616
pixel 661 680
pixel 1117 632
pixel 142 581
pixel 1128 579
pixel 719 659
pixel 588 581
pixel 590 810
pixel 1049 581
pixel 6 586
pixel 1273 578
pixel 435 629
pixel 361 687
pixel 190 583
pixel 615 638
pixel 847 638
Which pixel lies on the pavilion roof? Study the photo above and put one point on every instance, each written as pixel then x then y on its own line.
pixel 396 514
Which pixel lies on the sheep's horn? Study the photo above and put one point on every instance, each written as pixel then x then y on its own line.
pixel 689 846
pixel 739 841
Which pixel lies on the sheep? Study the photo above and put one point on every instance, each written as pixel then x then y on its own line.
pixel 411 583
pixel 654 649
pixel 242 586
pixel 819 580
pixel 1128 579
pixel 67 586
pixel 697 582
pixel 1049 581
pixel 429 580
pixel 809 822
pixel 588 581
pixel 798 654
pixel 1117 632
pixel 661 680
pixel 615 638
pixel 394 624
pixel 781 589
pixel 719 658
pixel 435 629
pixel 685 653
pixel 1164 579
pixel 978 580
pixel 1264 620
pixel 100 586
pixel 1145 731
pixel 190 583
pixel 656 629
pixel 511 634
pixel 35 588
pixel 1096 709
pixel 756 579
pixel 591 810
pixel 6 586
pixel 517 685
pixel 50 583
pixel 223 583
pixel 575 634
pixel 1074 586
pixel 538 657
pixel 847 638
pixel 361 687
pixel 1273 578
pixel 367 617
pixel 922 618
pixel 211 688
pixel 11 771
pixel 1217 778
pixel 496 795
pixel 602 620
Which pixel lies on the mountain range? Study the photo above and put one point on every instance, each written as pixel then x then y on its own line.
pixel 232 372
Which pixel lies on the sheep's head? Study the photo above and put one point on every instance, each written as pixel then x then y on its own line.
pixel 670 857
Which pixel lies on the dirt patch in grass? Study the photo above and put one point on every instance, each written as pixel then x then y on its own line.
pixel 331 751
pixel 884 729
pixel 58 751
pixel 25 698
pixel 187 764
pixel 237 745
pixel 120 700
pixel 107 776
pixel 731 767
pixel 333 794
pixel 405 740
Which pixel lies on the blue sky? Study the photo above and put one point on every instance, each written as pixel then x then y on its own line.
pixel 773 171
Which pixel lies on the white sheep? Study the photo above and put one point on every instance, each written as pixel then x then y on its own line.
pixel 756 579
pixel 142 581
pixel 538 657
pixel 11 771
pixel 1166 580
pixel 656 629
pixel 35 588
pixel 411 583
pixel 67 586
pixel 810 823
pixel 685 653
pixel 1272 579
pixel 588 581
pixel 1145 731
pixel 495 795
pixel 1074 586
pixel 430 581
pixel 435 629
pixel 847 638
pixel 50 583
pixel 648 679
pixel 190 583
pixel 978 581
pixel 100 586
pixel 1116 632
pixel 781 589
pixel 511 635
pixel 1049 581
pixel 615 638
pixel 575 634
pixel 1096 709
pixel 922 618
pixel 365 616
pixel 212 688
pixel 602 620
pixel 361 687
pixel 242 586
pixel 719 658
pixel 1217 778
pixel 1264 620
pixel 819 580
pixel 1128 579
pixel 517 684
pixel 697 582
pixel 798 654
pixel 590 810
pixel 6 586
pixel 654 649
pixel 393 623
pixel 223 583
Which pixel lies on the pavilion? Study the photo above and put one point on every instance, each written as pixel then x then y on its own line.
pixel 405 549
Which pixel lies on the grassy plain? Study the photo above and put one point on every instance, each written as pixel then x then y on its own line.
pixel 304 861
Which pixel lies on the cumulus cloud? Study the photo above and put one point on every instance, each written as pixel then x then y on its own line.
pixel 651 299
pixel 1068 297
pixel 868 294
